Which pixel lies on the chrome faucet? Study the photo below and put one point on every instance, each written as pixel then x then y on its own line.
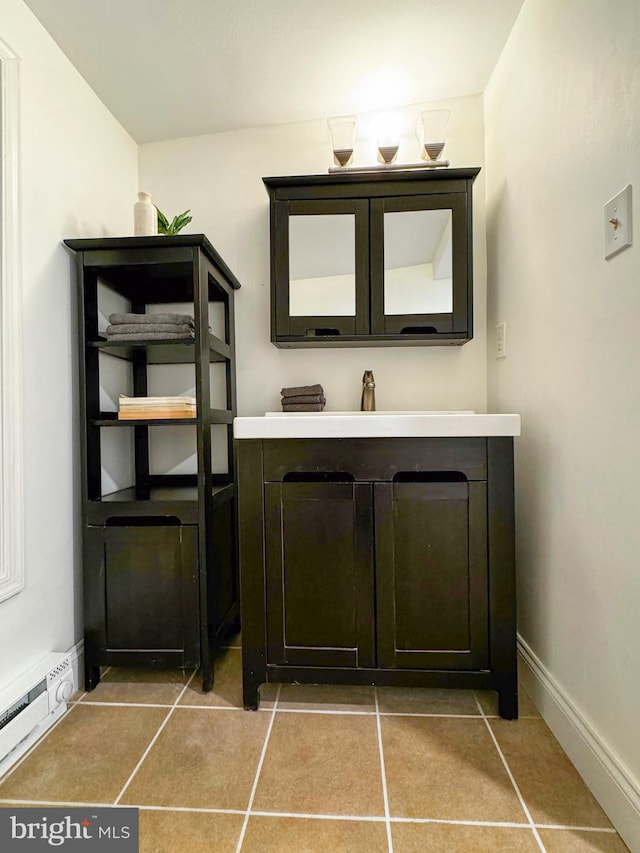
pixel 368 401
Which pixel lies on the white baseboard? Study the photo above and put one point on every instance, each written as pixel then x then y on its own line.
pixel 612 784
pixel 77 663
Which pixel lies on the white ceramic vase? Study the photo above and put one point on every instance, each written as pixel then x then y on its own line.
pixel 145 217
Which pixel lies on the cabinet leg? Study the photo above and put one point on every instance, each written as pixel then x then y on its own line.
pixel 207 676
pixel 250 694
pixel 91 676
pixel 508 699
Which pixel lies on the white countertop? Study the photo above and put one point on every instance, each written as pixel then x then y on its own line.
pixel 375 425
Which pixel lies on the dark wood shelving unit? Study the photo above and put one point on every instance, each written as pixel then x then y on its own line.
pixel 159 555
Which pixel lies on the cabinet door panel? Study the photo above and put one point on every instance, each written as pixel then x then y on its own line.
pixel 431 566
pixel 430 266
pixel 320 262
pixel 142 591
pixel 319 560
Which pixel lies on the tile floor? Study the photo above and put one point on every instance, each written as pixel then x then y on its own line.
pixel 318 769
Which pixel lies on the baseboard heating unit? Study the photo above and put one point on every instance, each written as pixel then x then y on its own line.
pixel 32 703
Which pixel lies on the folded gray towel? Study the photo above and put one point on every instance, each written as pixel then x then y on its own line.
pixel 145 328
pixel 299 390
pixel 304 398
pixel 118 319
pixel 302 407
pixel 152 336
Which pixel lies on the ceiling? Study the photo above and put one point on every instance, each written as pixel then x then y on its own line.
pixel 172 68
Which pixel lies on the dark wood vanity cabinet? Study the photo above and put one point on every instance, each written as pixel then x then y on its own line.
pixel 372 258
pixel 378 561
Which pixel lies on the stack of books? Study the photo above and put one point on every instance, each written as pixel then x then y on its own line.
pixel 156 408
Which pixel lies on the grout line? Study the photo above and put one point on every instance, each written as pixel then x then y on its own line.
pixel 153 740
pixel 513 781
pixel 258 771
pixel 610 829
pixel 383 773
pixel 314 816
pixel 196 809
pixel 167 705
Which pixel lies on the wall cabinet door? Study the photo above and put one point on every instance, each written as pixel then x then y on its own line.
pixel 420 282
pixel 320 260
pixel 431 575
pixel 319 574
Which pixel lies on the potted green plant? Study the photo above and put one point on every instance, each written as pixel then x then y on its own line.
pixel 176 225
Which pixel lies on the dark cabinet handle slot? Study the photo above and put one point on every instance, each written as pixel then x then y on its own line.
pixel 318 477
pixel 321 333
pixel 430 477
pixel 143 521
pixel 419 330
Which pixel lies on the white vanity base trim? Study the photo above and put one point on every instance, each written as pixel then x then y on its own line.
pixel 376 425
pixel 609 780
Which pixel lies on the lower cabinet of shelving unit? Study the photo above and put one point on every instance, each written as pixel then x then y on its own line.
pixel 141 594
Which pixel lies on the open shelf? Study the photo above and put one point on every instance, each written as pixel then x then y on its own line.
pixel 167 351
pixel 111 419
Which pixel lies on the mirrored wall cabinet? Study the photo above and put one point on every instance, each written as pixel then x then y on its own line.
pixel 372 258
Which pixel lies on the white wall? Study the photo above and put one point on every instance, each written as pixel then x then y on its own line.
pixel 219 177
pixel 562 118
pixel 78 178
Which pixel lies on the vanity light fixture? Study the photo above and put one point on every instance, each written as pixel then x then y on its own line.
pixel 386 128
pixel 343 130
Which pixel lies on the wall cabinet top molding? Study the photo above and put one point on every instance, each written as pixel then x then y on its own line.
pixel 372 258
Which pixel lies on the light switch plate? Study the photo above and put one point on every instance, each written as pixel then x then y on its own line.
pixel 501 340
pixel 617 223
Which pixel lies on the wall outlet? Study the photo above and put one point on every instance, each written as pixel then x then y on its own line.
pixel 501 340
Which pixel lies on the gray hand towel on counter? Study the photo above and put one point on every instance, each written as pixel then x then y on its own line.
pixel 302 407
pixel 175 319
pixel 128 328
pixel 304 398
pixel 152 336
pixel 300 390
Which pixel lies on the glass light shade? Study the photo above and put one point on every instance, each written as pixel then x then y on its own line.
pixel 343 131
pixel 388 128
pixel 431 130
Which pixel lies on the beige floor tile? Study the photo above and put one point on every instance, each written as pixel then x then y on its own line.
pixel 327 697
pixel 489 701
pixel 575 841
pixel 446 768
pixel 549 783
pixel 452 838
pixel 137 685
pixel 227 685
pixel 202 759
pixel 321 764
pixel 88 757
pixel 418 700
pixel 267 695
pixel 300 835
pixel 188 832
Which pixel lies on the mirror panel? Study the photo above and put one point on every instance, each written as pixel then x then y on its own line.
pixel 418 262
pixel 322 265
